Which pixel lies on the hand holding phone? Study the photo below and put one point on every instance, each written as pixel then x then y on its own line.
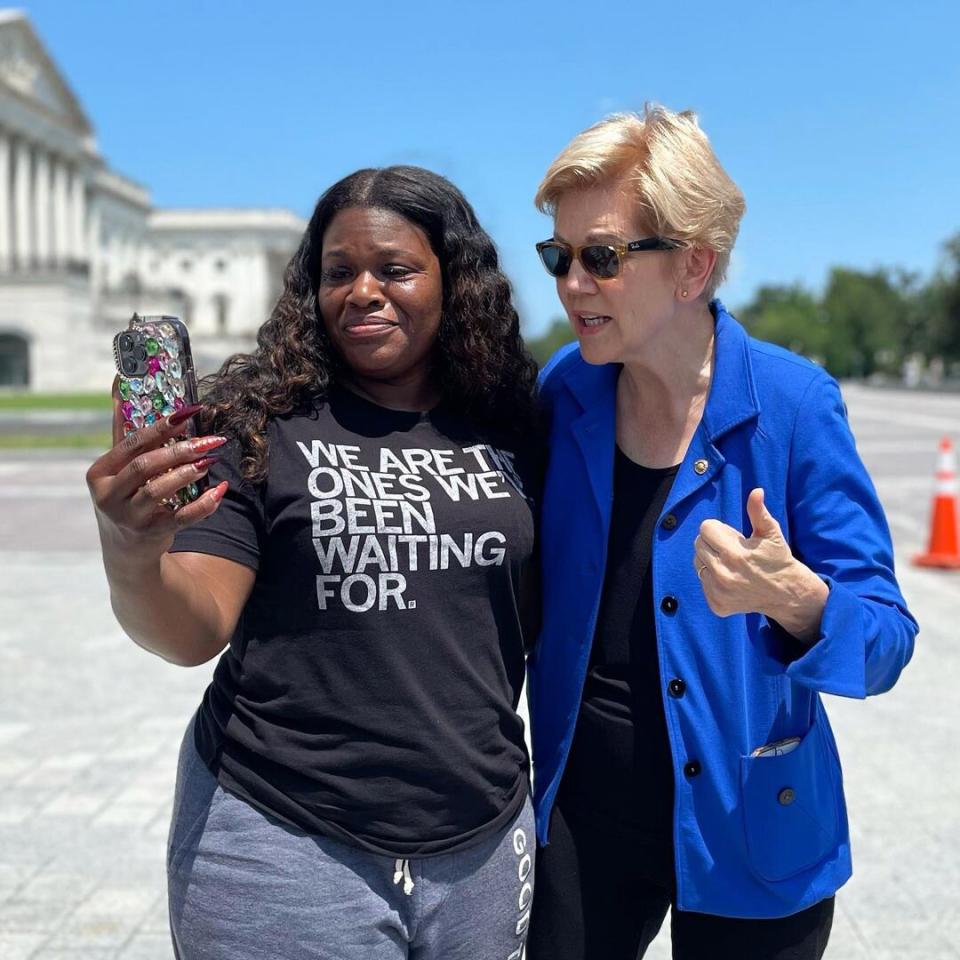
pixel 156 379
pixel 133 484
pixel 150 482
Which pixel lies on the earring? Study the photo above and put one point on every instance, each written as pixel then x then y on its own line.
pixel 683 293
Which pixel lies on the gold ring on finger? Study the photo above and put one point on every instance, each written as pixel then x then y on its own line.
pixel 168 503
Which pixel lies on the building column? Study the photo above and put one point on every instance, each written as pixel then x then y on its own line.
pixel 23 226
pixel 93 246
pixel 6 204
pixel 41 207
pixel 78 216
pixel 61 216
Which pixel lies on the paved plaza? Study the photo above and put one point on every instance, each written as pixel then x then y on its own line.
pixel 90 726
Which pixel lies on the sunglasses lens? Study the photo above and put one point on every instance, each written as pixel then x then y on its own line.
pixel 601 261
pixel 556 259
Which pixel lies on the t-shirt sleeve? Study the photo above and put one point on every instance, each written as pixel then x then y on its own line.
pixel 236 530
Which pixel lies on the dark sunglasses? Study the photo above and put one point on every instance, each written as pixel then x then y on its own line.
pixel 601 260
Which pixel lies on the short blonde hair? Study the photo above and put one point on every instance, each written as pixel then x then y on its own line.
pixel 681 189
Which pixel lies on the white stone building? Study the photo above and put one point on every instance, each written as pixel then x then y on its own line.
pixel 82 248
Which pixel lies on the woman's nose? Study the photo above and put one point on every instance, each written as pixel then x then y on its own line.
pixel 365 290
pixel 578 280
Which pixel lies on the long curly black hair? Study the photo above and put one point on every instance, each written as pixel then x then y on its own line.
pixel 481 364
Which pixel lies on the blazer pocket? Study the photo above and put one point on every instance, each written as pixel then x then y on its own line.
pixel 790 807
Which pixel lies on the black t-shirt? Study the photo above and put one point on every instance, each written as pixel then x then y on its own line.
pixel 370 690
pixel 620 764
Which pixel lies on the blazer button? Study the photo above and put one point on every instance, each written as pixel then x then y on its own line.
pixel 677 688
pixel 669 604
pixel 669 522
pixel 691 769
pixel 786 796
pixel 700 466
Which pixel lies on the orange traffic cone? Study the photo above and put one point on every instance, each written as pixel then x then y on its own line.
pixel 944 549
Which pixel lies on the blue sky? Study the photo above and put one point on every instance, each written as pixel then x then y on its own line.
pixel 837 120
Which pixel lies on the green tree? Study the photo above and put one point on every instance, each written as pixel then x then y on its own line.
pixel 865 317
pixel 789 316
pixel 942 302
pixel 544 347
pixel 916 326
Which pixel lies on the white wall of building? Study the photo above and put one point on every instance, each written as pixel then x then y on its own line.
pixel 81 246
pixel 223 261
pixel 65 354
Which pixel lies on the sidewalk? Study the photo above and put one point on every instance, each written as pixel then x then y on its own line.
pixel 53 422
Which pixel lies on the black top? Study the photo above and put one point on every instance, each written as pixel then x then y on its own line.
pixel 370 690
pixel 620 763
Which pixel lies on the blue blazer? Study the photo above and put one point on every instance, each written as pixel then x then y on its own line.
pixel 753 837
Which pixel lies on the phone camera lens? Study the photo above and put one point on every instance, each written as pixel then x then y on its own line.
pixel 129 365
pixel 126 342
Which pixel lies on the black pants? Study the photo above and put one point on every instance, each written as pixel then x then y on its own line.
pixel 602 894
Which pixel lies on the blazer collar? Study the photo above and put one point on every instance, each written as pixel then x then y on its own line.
pixel 595 387
pixel 733 394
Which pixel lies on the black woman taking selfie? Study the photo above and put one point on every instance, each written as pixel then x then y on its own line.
pixel 355 781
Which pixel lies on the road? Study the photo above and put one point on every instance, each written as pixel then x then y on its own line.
pixel 90 725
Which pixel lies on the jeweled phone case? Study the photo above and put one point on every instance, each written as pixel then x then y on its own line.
pixel 166 381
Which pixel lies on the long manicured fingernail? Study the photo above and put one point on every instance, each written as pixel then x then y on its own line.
pixel 204 462
pixel 207 443
pixel 181 416
pixel 219 490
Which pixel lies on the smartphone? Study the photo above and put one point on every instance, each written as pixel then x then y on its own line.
pixel 157 378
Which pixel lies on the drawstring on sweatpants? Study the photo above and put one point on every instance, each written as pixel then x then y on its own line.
pixel 402 872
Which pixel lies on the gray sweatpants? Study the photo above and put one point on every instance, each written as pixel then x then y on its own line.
pixel 245 886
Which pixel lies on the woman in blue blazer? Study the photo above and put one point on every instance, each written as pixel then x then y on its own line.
pixel 715 558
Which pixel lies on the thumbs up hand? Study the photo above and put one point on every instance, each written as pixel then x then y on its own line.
pixel 758 574
pixel 762 520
